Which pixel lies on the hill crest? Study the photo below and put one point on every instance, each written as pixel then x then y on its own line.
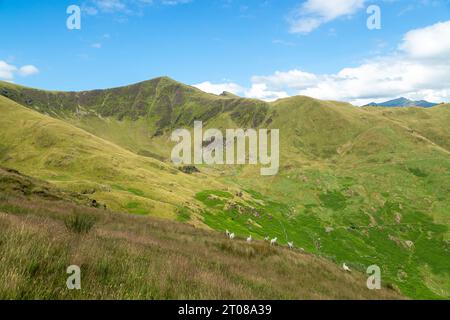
pixel 403 102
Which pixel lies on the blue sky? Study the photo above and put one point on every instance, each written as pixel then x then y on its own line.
pixel 265 49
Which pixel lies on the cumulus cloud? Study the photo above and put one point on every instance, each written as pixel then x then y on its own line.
pixel 313 13
pixel 257 90
pixel 218 88
pixel 28 70
pixel 261 91
pixel 419 69
pixel 380 79
pixel 432 42
pixel 293 79
pixel 8 71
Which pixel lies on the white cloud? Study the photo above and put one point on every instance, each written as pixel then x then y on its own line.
pixel 218 88
pixel 419 69
pixel 96 45
pixel 313 13
pixel 293 79
pixel 257 90
pixel 8 71
pixel 262 92
pixel 380 79
pixel 432 42
pixel 28 70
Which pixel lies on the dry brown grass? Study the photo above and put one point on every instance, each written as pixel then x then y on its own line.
pixel 131 257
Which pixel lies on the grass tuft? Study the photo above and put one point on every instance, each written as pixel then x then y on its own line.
pixel 80 223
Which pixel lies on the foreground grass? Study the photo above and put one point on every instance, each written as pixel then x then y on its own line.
pixel 133 257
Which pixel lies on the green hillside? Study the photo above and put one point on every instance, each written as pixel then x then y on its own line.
pixel 43 230
pixel 72 158
pixel 140 116
pixel 357 185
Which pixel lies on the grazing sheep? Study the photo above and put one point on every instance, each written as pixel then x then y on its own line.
pixel 273 241
pixel 266 239
pixel 249 239
pixel 346 268
pixel 291 245
pixel 232 236
pixel 227 233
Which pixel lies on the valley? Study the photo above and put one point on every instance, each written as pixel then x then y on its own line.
pixel 363 186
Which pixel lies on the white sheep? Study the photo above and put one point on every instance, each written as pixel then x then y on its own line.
pixel 346 268
pixel 291 245
pixel 273 241
pixel 249 239
pixel 227 233
pixel 232 236
pixel 266 239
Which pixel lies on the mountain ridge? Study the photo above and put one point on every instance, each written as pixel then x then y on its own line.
pixel 403 102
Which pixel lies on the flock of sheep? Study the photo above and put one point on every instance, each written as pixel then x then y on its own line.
pixel 231 236
pixel 273 241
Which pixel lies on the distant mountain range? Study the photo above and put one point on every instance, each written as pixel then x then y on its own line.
pixel 403 102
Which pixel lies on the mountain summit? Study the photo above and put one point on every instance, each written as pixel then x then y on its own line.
pixel 403 102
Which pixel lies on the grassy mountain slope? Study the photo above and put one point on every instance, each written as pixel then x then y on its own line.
pixel 131 257
pixel 431 124
pixel 360 185
pixel 53 150
pixel 138 117
pixel 357 187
